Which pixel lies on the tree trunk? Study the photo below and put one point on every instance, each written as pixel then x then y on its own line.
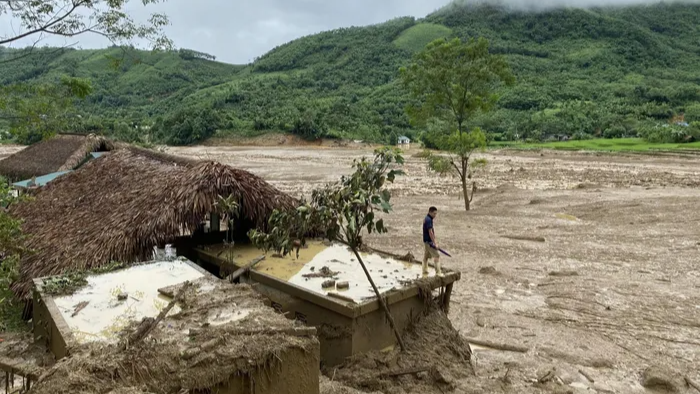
pixel 465 189
pixel 381 301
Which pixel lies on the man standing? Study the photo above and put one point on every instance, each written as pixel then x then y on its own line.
pixel 431 246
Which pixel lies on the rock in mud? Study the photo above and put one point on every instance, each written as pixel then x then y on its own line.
pixel 662 378
pixel 343 285
pixel 488 271
pixel 443 377
pixel 327 284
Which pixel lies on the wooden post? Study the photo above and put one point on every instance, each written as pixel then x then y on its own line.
pixel 446 298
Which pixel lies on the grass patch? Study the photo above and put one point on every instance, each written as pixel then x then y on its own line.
pixel 605 145
pixel 416 38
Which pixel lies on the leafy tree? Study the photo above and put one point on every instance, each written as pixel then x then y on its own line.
pixel 37 111
pixel 453 80
pixel 71 18
pixel 342 211
pixel 188 126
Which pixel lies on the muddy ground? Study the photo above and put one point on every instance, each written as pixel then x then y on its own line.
pixel 613 289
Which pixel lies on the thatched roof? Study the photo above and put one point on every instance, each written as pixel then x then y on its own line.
pixel 118 207
pixel 60 153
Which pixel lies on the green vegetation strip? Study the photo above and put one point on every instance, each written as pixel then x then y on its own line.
pixel 605 145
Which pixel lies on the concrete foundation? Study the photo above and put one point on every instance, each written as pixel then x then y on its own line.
pixel 344 328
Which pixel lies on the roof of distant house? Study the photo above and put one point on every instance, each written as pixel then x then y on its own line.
pixel 62 152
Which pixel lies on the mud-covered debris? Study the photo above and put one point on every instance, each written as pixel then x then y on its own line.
pixel 488 271
pixel 662 378
pixel 547 376
pixel 563 273
pixel 432 341
pixel 324 272
pixel 328 284
pixel 79 307
pixel 122 296
pixel 343 285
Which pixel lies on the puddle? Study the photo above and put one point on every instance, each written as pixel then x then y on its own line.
pixel 104 316
pixel 282 268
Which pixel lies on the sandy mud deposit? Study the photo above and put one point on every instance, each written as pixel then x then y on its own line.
pixel 613 290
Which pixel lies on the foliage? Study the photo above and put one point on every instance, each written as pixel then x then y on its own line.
pixel 71 282
pixel 342 210
pixel 70 18
pixel 581 74
pixel 187 126
pixel 671 133
pixel 453 80
pixel 36 111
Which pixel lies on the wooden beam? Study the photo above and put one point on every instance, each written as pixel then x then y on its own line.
pixel 231 278
pixel 498 346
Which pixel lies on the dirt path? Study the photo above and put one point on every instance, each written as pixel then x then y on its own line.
pixel 614 288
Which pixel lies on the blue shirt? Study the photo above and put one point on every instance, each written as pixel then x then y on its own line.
pixel 427 226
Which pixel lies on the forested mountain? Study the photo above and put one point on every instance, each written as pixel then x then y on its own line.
pixel 599 71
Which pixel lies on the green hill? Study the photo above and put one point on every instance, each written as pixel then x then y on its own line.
pixel 600 71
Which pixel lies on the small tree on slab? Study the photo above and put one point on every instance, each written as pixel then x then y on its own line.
pixel 343 211
pixel 451 81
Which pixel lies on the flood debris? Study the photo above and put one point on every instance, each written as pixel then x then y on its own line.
pixel 324 272
pixel 436 357
pixel 250 343
pixel 79 307
pixel 343 285
pixel 328 284
pixel 488 271
pixel 498 346
pixel 525 238
pixel 663 378
pixel 563 273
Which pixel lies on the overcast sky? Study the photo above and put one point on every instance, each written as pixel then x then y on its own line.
pixel 237 31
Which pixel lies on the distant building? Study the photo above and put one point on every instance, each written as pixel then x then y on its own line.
pixel 403 140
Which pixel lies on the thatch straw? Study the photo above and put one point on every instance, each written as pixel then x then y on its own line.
pixel 60 153
pixel 118 207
